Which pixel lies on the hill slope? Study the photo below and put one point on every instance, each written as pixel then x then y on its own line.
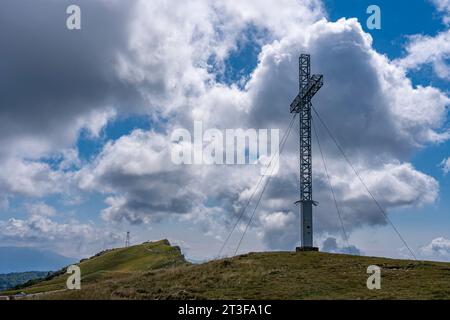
pixel 113 265
pixel 272 275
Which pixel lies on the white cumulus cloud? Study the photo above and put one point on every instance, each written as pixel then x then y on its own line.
pixel 154 59
pixel 445 164
pixel 437 248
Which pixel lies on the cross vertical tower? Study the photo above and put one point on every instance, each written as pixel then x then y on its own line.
pixel 309 86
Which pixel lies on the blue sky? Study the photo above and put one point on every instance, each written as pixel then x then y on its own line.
pixel 401 19
pixel 96 189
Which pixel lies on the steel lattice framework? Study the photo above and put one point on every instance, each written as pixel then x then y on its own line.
pixel 308 87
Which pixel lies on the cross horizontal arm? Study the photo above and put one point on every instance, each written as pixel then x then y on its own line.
pixel 314 85
pixel 296 104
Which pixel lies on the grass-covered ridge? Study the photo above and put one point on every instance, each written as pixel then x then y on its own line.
pixel 115 264
pixel 159 271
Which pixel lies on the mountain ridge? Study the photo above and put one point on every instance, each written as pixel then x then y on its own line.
pixel 157 270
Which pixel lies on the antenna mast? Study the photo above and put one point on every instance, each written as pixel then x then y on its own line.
pixel 127 240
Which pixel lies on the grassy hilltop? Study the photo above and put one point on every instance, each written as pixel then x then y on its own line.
pixel 113 265
pixel 157 270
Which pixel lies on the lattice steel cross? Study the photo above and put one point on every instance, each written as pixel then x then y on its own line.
pixel 309 86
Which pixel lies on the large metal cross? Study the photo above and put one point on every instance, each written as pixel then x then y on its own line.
pixel 309 86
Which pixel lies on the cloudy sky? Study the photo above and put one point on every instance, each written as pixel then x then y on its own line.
pixel 86 118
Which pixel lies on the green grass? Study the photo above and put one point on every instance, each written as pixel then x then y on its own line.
pixel 115 264
pixel 272 275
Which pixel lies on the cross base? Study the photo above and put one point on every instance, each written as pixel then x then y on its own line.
pixel 305 249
